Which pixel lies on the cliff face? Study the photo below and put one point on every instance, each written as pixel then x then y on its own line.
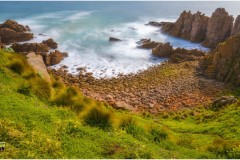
pixel 209 31
pixel 188 26
pixel 219 28
pixel 236 27
pixel 224 62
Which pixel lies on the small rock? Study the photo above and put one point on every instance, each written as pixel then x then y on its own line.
pixel 112 39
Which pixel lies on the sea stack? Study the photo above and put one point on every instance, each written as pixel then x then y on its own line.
pixel 219 28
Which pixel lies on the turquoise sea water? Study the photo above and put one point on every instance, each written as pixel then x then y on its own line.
pixel 83 30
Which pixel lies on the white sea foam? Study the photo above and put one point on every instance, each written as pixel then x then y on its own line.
pixel 77 16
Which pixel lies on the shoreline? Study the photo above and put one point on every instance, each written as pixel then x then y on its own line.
pixel 161 88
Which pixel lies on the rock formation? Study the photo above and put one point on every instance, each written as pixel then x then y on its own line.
pixel 219 28
pixel 11 31
pixel 112 39
pixel 38 65
pixel 236 27
pixel 53 58
pixel 38 48
pixel 189 26
pixel 181 55
pixel 163 50
pixel 224 62
pixel 148 44
pixel 50 43
pixel 200 28
pixel 1 44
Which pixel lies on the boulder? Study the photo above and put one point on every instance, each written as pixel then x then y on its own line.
pixel 156 24
pixel 50 43
pixel 223 63
pixel 122 105
pixel 145 40
pixel 219 28
pixel 222 101
pixel 163 50
pixel 36 61
pixel 53 58
pixel 11 31
pixel 10 36
pixel 148 44
pixel 112 39
pixel 236 27
pixel 181 55
pixel 38 48
pixel 13 25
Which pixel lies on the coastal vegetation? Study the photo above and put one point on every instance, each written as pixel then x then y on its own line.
pixel 58 121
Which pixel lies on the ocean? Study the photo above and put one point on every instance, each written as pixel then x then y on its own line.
pixel 83 29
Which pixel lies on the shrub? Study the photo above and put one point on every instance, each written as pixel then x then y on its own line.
pixel 68 97
pixel 127 121
pixel 8 50
pixel 58 85
pixel 99 117
pixel 234 153
pixel 16 66
pixel 158 135
pixel 225 149
pixel 41 88
pixel 131 127
pixel 185 142
pixel 24 89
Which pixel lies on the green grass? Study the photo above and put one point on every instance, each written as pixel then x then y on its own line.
pixel 66 124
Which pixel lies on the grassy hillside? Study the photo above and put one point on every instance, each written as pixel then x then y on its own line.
pixel 42 120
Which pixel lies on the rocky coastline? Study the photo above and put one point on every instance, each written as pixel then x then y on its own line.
pixel 186 80
pixel 11 33
pixel 210 31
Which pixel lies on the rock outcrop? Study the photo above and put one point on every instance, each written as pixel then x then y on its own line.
pixel 11 31
pixel 148 44
pixel 113 39
pixel 163 50
pixel 122 105
pixel 49 59
pixel 53 58
pixel 219 28
pixel 181 55
pixel 222 101
pixel 25 48
pixel 189 26
pixel 50 43
pixel 223 63
pixel 209 31
pixel 1 44
pixel 236 27
pixel 38 65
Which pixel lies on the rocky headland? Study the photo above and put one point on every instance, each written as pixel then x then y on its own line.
pixel 209 31
pixel 223 63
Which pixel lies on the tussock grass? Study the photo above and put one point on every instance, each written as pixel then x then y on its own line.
pixel 99 116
